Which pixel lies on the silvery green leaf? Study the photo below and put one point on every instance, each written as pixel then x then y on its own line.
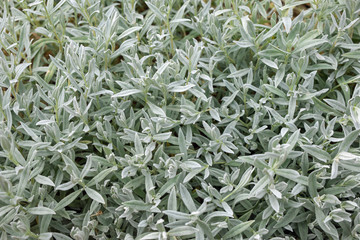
pixel 347 156
pixel 44 180
pixel 215 114
pixel 126 45
pixel 67 200
pixel 239 73
pixel 288 218
pixel 312 185
pixel 262 10
pixel 288 173
pixel 327 227
pixel 279 75
pixel 155 10
pixel 182 144
pixel 271 32
pixel 198 94
pixel 275 91
pixel 44 122
pixel 181 88
pixel 230 99
pixel 153 235
pixel 24 177
pixel 86 168
pixel 309 44
pixel 71 163
pixel 182 231
pixel 20 69
pixel 94 195
pixel 334 169
pixel 238 229
pixel 172 203
pixel 30 132
pixel 138 205
pixel 348 141
pixel 177 215
pixel 45 236
pixel 162 136
pixel 60 236
pixel 293 139
pixel 157 110
pixel 129 31
pixel 245 178
pixel 162 69
pixel 323 107
pixel 5 209
pixel 126 93
pixel 353 54
pixel 270 63
pixel 40 211
pixel 167 186
pixel 138 145
pixel 292 106
pixel 287 24
pixel 190 165
pixel 220 12
pixel 276 115
pixel 180 20
pixel 260 185
pixel 274 203
pixel 8 217
pixel 335 104
pixel 192 174
pixel 350 46
pixel 205 228
pixel 65 186
pixel 227 208
pixel 216 214
pixel 317 152
pixel 101 176
pixel 187 199
pixel 244 44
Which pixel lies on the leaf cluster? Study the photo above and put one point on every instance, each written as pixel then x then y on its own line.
pixel 171 119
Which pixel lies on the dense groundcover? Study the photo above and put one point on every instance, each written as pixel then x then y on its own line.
pixel 179 119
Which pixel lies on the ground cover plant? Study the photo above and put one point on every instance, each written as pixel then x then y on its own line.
pixel 198 119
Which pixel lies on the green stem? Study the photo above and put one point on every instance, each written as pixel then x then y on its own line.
pixel 169 29
pixel 53 26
